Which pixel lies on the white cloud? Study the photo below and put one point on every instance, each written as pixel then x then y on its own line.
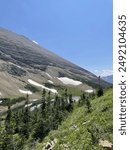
pixel 102 73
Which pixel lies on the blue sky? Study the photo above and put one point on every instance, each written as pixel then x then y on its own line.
pixel 78 30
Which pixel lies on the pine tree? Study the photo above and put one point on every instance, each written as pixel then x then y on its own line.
pixel 49 103
pixel 70 105
pixel 16 122
pixel 63 106
pixel 88 104
pixel 8 138
pixel 2 134
pixel 83 98
pixel 100 89
pixel 66 98
pixel 43 107
pixel 26 119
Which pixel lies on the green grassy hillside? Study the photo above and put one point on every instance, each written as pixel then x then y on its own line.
pixel 83 130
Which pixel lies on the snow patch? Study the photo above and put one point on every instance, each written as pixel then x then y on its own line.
pixel 52 100
pixel 33 108
pixel 34 100
pixel 76 98
pixel 16 65
pixel 42 86
pixel 25 92
pixel 39 105
pixel 35 42
pixel 50 81
pixel 48 75
pixel 89 91
pixel 35 83
pixel 28 105
pixel 67 80
pixel 0 102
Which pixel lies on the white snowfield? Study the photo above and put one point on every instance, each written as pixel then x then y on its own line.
pixel 42 86
pixel 67 80
pixel 50 81
pixel 48 75
pixel 89 91
pixel 25 92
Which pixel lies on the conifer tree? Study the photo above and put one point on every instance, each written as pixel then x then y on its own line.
pixel 100 89
pixel 70 105
pixel 26 119
pixel 41 127
pixel 43 107
pixel 16 122
pixel 66 98
pixel 88 104
pixel 83 98
pixel 8 138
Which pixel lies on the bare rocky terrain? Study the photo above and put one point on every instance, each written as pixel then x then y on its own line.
pixel 21 59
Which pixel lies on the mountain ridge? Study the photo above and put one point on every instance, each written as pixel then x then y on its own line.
pixel 108 78
pixel 21 59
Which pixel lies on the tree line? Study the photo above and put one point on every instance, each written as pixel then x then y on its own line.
pixel 25 127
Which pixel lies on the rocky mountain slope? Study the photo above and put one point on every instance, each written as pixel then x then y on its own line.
pixel 108 78
pixel 26 67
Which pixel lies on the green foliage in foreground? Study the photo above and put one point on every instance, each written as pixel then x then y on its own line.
pixel 82 130
pixel 74 125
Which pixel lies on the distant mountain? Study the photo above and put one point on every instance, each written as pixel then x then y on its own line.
pixel 25 66
pixel 108 78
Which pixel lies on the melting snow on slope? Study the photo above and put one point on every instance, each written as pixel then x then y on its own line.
pixel 35 42
pixel 33 108
pixel 42 86
pixel 0 101
pixel 34 100
pixel 89 91
pixel 25 92
pixel 50 81
pixel 66 80
pixel 15 65
pixel 28 105
pixel 48 75
pixel 39 105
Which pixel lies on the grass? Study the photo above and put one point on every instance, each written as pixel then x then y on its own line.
pixel 71 90
pixel 83 130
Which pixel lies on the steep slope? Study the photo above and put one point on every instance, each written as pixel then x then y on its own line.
pixel 83 130
pixel 21 59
